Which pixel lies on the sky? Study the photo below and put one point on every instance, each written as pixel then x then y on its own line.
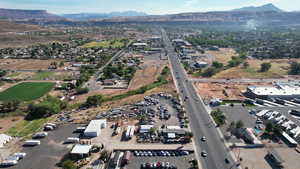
pixel 148 6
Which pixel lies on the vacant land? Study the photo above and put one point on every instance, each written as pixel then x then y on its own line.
pixel 42 75
pixel 25 128
pixel 223 55
pixel 8 122
pixel 279 69
pixel 26 91
pixel 105 44
pixel 149 72
pixel 26 64
pixel 224 91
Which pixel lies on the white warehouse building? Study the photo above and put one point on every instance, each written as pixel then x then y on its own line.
pixel 278 90
pixel 94 128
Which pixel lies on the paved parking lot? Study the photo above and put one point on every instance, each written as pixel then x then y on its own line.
pixel 49 153
pixel 181 162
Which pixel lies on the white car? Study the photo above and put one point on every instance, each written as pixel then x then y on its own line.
pixel 21 155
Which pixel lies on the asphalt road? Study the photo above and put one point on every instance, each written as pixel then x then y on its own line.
pixel 200 122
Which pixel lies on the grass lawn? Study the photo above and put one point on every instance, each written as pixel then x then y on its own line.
pixel 26 91
pixel 42 75
pixel 26 128
pixel 105 44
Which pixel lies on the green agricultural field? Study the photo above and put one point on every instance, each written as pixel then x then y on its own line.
pixel 26 91
pixel 105 44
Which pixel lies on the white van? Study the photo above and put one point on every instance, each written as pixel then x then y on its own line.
pixel 40 135
pixel 72 140
pixel 32 143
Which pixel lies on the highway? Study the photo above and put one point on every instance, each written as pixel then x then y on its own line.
pixel 200 121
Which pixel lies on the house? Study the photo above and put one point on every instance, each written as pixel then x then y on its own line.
pixel 94 128
pixel 108 82
pixel 139 45
pixel 200 64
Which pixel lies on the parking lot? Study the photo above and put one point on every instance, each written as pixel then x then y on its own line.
pixel 50 152
pixel 179 160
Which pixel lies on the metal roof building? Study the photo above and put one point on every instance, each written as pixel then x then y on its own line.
pixel 278 90
pixel 94 128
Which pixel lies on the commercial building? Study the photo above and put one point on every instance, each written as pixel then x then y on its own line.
pixel 286 91
pixel 81 150
pixel 94 128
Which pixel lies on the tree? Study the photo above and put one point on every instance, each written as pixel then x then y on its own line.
pixel 95 100
pixel 239 124
pixel 277 129
pixel 152 130
pixel 68 164
pixel 264 67
pixel 2 73
pixel 209 72
pixel 61 64
pixel 47 107
pixel 231 125
pixel 82 90
pixel 294 68
pixel 217 64
pixel 246 64
pixel 269 127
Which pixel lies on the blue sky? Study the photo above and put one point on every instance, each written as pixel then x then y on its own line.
pixel 148 6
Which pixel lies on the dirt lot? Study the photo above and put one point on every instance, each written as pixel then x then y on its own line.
pixel 148 73
pixel 25 64
pixel 228 91
pixel 8 122
pixel 254 158
pixel 223 55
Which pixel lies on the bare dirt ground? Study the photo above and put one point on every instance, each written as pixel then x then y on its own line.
pixel 223 55
pixel 225 91
pixel 25 64
pixel 148 73
pixel 8 122
pixel 255 158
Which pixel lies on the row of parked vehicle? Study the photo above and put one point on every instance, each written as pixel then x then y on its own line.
pixel 158 165
pixel 13 159
pixel 161 153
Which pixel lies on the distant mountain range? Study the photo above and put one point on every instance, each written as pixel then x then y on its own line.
pixel 95 16
pixel 266 14
pixel 264 8
pixel 20 14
